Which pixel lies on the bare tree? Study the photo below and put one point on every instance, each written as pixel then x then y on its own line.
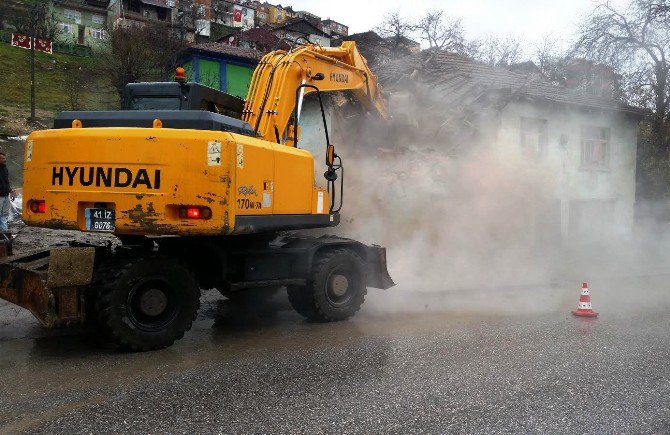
pixel 138 53
pixel 440 31
pixel 4 14
pixel 190 18
pixel 637 42
pixel 76 82
pixel 396 29
pixel 33 17
pixel 168 47
pixel 496 51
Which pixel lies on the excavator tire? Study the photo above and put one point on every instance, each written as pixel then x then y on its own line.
pixel 145 303
pixel 300 301
pixel 335 289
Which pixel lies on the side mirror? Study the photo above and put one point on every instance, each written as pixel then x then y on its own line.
pixel 330 155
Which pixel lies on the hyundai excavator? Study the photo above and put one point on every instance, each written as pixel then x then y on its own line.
pixel 203 190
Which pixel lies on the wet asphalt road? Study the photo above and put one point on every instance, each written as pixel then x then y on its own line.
pixel 483 361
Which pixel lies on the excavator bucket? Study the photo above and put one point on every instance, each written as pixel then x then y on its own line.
pixel 48 283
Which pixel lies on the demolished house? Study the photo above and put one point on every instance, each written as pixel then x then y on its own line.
pixel 584 141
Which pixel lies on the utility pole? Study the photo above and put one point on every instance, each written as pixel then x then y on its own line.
pixel 33 24
pixel 32 75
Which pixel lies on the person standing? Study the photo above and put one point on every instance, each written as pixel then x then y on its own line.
pixel 6 193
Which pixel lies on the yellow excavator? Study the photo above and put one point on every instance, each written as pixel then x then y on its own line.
pixel 203 190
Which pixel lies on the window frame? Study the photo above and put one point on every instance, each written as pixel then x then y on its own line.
pixel 587 136
pixel 66 27
pixel 540 134
pixel 95 31
pixel 73 15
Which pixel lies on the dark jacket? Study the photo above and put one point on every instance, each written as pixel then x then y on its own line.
pixel 4 181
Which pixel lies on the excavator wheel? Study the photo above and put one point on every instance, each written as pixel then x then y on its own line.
pixel 336 287
pixel 145 303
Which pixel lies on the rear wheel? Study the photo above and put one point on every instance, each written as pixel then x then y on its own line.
pixel 145 303
pixel 336 287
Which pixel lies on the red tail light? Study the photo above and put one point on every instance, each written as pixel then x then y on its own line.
pixel 38 206
pixel 195 213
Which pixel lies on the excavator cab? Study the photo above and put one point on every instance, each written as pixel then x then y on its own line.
pixel 180 96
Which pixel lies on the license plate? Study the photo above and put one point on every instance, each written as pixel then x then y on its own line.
pixel 100 219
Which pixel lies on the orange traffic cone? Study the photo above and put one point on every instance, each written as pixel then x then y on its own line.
pixel 584 306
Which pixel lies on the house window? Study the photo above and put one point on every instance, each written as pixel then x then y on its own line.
pixel 97 33
pixel 66 27
pixel 71 15
pixel 98 19
pixel 595 148
pixel 534 137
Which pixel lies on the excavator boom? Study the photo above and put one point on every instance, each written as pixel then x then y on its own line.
pixel 271 103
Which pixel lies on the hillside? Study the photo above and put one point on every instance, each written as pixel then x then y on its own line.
pixel 63 82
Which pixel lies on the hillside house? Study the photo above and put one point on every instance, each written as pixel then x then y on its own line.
pixel 138 12
pixel 233 14
pixel 584 142
pixel 334 29
pixel 301 28
pixel 81 22
pixel 278 14
pixel 260 39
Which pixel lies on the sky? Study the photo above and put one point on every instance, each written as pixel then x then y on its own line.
pixel 527 20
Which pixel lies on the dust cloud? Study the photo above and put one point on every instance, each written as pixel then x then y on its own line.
pixel 472 219
pixel 449 222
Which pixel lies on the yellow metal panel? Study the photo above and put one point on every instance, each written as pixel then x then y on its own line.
pixel 294 180
pixel 254 169
pixel 144 174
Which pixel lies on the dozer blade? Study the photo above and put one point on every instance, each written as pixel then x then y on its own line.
pixel 379 276
pixel 48 283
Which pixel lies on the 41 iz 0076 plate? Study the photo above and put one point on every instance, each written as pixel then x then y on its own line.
pixel 100 219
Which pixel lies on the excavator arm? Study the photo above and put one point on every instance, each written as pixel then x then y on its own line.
pixel 282 78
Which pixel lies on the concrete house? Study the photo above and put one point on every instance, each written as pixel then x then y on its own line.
pixel 301 28
pixel 233 14
pixel 138 12
pixel 81 22
pixel 334 28
pixel 584 141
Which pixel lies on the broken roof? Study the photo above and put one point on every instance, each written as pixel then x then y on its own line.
pixel 294 24
pixel 227 50
pixel 159 3
pixel 456 73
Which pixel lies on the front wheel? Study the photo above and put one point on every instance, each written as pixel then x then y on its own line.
pixel 145 303
pixel 336 287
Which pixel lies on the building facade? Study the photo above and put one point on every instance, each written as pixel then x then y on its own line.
pixel 578 147
pixel 300 28
pixel 81 22
pixel 139 12
pixel 278 14
pixel 233 14
pixel 334 28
